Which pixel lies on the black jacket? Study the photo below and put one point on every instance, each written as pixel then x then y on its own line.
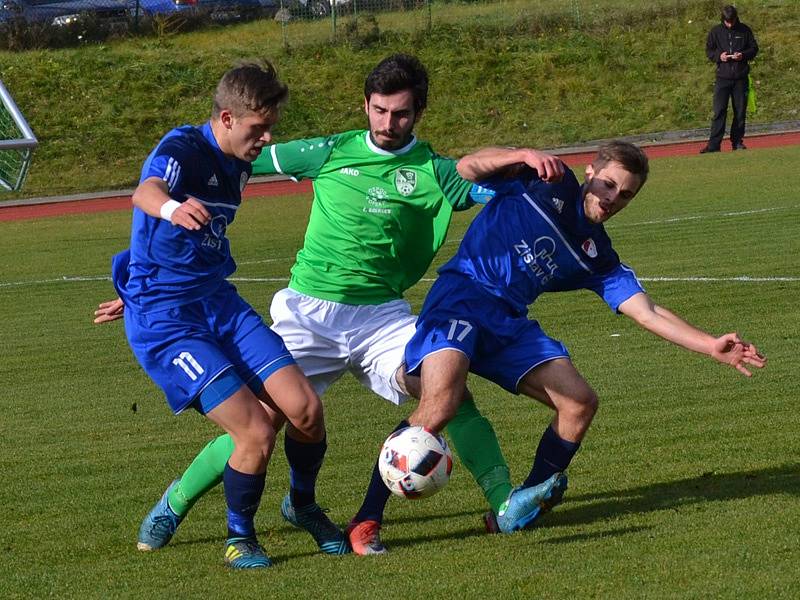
pixel 738 38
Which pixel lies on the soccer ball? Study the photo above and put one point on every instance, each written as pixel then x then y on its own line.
pixel 415 462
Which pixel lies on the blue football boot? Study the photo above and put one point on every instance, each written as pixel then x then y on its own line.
pixel 525 505
pixel 159 525
pixel 245 553
pixel 329 538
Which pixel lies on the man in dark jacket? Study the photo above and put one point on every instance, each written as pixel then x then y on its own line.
pixel 730 45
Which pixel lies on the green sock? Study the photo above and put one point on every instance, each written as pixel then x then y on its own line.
pixel 203 474
pixel 476 444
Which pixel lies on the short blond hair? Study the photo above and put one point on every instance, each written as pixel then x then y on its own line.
pixel 250 87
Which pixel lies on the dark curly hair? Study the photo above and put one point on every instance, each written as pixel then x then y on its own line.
pixel 397 73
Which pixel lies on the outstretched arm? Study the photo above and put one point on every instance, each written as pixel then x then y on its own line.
pixel 728 349
pixel 492 161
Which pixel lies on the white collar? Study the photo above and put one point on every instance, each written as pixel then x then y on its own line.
pixel 371 145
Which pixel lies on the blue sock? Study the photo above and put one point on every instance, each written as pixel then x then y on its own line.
pixel 305 461
pixel 552 456
pixel 377 493
pixel 242 494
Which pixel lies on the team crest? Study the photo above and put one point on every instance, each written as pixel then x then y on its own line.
pixel 589 248
pixel 243 180
pixel 405 180
pixel 558 203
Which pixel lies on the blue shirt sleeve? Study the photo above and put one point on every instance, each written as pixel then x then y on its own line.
pixel 615 286
pixel 166 163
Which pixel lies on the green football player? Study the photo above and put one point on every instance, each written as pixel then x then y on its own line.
pixel 382 205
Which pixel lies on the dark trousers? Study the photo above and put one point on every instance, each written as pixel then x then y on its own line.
pixel 736 91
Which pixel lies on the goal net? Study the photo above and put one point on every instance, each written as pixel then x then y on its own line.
pixel 17 143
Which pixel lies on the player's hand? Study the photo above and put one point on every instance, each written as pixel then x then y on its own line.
pixel 724 56
pixel 731 350
pixel 109 311
pixel 549 167
pixel 191 214
pixel 737 56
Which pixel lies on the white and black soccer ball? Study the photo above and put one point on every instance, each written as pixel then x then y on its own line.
pixel 415 462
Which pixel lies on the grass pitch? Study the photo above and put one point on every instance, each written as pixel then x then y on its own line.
pixel 514 72
pixel 686 486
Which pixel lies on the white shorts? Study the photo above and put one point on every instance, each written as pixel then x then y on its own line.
pixel 329 338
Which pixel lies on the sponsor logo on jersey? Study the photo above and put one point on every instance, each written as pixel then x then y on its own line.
pixel 377 194
pixel 349 171
pixel 218 226
pixel 558 203
pixel 589 248
pixel 213 181
pixel 405 180
pixel 377 201
pixel 539 257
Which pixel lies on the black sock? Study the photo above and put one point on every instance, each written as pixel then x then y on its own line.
pixel 305 461
pixel 377 493
pixel 552 456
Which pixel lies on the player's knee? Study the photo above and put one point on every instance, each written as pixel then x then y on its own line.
pixel 589 403
pixel 582 406
pixel 310 422
pixel 258 438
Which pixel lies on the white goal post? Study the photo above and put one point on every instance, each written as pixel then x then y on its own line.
pixel 17 143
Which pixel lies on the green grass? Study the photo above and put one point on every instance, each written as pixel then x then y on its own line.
pixel 686 486
pixel 534 73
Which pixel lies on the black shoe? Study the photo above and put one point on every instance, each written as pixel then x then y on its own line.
pixel 739 146
pixel 708 149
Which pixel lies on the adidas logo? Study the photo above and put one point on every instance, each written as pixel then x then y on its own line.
pixel 213 181
pixel 232 553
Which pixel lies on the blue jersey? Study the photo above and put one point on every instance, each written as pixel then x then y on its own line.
pixel 171 266
pixel 533 237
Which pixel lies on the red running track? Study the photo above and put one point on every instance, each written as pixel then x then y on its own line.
pixel 283 188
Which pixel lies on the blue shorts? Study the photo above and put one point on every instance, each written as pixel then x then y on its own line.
pixel 202 352
pixel 501 345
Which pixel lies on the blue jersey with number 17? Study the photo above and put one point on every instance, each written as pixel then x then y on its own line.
pixel 533 237
pixel 171 266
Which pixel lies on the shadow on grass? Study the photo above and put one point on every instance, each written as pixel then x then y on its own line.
pixel 707 487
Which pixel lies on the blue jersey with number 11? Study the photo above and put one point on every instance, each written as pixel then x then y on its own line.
pixel 533 237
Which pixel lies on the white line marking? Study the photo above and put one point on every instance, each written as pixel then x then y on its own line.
pixel 697 279
pixel 265 260
pixel 64 279
pixel 259 279
pixel 742 278
pixel 740 213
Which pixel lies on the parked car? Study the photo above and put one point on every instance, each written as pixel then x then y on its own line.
pixel 221 9
pixel 62 12
pixel 320 9
pixel 314 9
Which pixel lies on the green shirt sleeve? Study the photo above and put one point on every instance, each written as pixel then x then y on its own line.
pixel 455 188
pixel 299 159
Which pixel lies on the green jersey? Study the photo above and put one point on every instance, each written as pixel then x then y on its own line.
pixel 378 217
